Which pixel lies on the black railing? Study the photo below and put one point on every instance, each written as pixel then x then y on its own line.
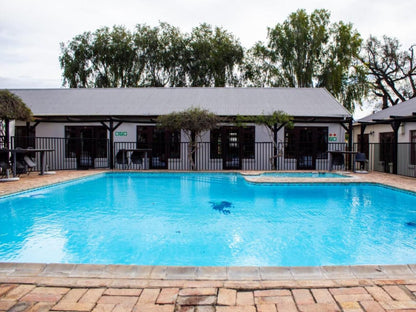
pixel 264 156
pixel 68 153
pixel 380 157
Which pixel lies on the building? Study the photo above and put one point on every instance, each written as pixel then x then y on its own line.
pixel 97 123
pixel 388 138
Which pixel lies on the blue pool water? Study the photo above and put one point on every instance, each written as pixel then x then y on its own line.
pixel 208 219
pixel 304 175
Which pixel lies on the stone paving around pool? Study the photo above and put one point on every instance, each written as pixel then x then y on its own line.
pixel 70 287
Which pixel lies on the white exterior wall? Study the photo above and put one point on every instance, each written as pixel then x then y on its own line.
pixel 374 131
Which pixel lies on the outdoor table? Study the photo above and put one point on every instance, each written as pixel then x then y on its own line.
pixel 42 152
pixel 331 153
pixel 145 150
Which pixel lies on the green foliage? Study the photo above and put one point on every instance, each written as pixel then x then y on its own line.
pixel 158 56
pixel 192 121
pixel 268 120
pixel 162 52
pixel 391 71
pixel 213 55
pixel 12 107
pixel 308 51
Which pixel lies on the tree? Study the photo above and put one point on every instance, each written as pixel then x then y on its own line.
pixel 104 58
pixel 272 122
pixel 392 72
pixel 213 55
pixel 308 51
pixel 193 122
pixel 12 108
pixel 163 52
pixel 158 56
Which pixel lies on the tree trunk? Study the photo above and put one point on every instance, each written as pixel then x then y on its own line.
pixel 192 151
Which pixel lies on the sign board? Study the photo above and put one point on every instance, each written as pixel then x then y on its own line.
pixel 332 137
pixel 121 133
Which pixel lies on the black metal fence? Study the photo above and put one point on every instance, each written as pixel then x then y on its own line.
pixel 381 157
pixel 259 156
pixel 81 153
pixel 68 153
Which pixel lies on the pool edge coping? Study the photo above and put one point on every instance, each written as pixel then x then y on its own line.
pixel 13 270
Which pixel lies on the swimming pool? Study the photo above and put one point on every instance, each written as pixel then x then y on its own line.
pixel 208 219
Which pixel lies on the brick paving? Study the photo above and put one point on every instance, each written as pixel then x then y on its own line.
pixel 84 288
pixel 38 293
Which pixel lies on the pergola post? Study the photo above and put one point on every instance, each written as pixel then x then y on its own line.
pixel 362 128
pixel 111 128
pixel 395 125
pixel 350 147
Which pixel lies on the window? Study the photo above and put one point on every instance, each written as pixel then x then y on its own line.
pixel 232 140
pixel 413 147
pixel 164 144
pixel 366 145
pixel 215 144
pixel 86 141
pixel 248 142
pixel 306 141
pixel 386 147
pixel 24 139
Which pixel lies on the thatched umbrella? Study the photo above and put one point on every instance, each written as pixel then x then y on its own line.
pixel 12 108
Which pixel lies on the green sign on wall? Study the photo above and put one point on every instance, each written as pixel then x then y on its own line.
pixel 121 133
pixel 332 137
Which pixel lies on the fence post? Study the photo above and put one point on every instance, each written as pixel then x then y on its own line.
pixel 350 147
pixel 395 125
pixel 111 145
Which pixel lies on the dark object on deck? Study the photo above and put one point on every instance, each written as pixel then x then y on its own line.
pixel 121 158
pixel 30 163
pixel 85 160
pixel 137 159
pixel 337 159
pixel 4 163
pixel 362 160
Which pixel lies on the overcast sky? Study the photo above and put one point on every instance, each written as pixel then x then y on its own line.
pixel 31 30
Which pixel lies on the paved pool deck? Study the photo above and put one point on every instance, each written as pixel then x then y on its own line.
pixel 84 287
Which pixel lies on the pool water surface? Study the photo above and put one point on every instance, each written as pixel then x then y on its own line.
pixel 210 219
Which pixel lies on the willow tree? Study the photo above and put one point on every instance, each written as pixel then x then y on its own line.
pixel 193 122
pixel 306 50
pixel 213 54
pixel 12 107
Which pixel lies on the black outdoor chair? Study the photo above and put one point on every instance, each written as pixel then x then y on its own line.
pixel 85 161
pixel 4 163
pixel 362 161
pixel 137 159
pixel 30 163
pixel 21 167
pixel 122 158
pixel 337 159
